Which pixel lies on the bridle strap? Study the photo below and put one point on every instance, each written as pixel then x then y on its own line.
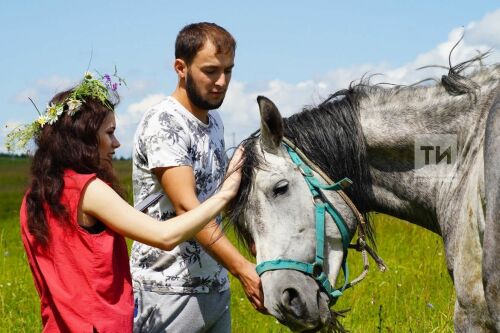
pixel 361 244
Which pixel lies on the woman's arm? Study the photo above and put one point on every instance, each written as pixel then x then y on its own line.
pixel 103 203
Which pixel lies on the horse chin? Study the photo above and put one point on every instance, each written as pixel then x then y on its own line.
pixel 296 300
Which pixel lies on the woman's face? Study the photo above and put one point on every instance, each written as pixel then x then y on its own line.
pixel 107 140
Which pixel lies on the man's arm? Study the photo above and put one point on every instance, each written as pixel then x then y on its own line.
pixel 179 185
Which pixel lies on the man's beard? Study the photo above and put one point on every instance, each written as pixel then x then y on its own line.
pixel 196 98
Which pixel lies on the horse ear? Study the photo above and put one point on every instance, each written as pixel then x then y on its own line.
pixel 271 125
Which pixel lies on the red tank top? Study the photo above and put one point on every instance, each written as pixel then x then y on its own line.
pixel 83 279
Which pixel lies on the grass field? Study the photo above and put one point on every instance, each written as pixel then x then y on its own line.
pixel 414 295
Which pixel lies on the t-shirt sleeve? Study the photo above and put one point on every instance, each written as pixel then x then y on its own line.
pixel 166 142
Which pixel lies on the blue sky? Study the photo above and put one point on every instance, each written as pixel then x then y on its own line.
pixel 294 52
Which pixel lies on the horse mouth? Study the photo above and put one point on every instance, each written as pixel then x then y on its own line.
pixel 299 325
pixel 304 319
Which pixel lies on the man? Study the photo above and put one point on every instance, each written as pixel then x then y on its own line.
pixel 179 149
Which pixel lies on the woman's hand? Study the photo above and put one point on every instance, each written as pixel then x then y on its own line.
pixel 233 175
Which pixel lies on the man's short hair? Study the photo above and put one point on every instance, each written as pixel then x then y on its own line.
pixel 193 37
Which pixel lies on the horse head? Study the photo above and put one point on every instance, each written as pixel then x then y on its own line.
pixel 278 221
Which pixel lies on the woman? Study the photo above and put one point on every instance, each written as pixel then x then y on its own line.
pixel 73 219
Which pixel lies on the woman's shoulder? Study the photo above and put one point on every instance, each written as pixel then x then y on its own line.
pixel 73 179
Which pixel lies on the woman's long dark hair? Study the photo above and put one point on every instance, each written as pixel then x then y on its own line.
pixel 70 143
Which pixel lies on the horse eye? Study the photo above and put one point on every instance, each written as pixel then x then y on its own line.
pixel 280 188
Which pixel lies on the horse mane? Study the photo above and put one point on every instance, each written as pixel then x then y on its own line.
pixel 330 135
pixel 236 207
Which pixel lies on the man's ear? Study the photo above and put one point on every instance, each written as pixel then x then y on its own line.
pixel 180 68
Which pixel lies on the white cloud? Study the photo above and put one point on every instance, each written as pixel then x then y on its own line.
pixel 135 111
pixel 126 122
pixel 54 83
pixel 43 89
pixel 485 31
pixel 23 96
pixel 136 88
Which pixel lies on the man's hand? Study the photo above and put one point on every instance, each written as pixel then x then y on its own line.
pixel 252 286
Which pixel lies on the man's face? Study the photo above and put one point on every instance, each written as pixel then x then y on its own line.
pixel 208 77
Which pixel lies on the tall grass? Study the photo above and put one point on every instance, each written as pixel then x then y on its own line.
pixel 414 295
pixel 19 304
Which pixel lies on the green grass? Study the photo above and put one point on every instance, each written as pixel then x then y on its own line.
pixel 414 295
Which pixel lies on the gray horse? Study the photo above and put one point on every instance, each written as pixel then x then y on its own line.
pixel 428 154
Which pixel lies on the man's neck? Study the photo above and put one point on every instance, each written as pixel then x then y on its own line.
pixel 181 96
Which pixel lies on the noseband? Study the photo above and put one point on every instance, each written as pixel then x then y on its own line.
pixel 322 207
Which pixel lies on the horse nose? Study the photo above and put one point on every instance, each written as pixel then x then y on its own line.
pixel 293 303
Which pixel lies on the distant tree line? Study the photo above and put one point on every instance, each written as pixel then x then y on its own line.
pixel 26 156
pixel 13 155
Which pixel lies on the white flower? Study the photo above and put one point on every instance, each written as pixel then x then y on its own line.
pixel 53 112
pixel 42 120
pixel 73 106
pixel 88 76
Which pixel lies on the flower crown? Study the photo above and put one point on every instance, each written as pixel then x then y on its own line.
pixel 100 88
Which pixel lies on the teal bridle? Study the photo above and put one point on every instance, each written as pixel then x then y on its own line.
pixel 322 207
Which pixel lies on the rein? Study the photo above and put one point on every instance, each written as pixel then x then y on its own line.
pixel 323 206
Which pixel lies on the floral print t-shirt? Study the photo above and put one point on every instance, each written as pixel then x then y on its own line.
pixel 169 135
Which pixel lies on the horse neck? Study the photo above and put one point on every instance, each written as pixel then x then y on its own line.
pixel 392 121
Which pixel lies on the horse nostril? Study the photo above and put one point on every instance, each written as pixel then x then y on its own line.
pixel 293 302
